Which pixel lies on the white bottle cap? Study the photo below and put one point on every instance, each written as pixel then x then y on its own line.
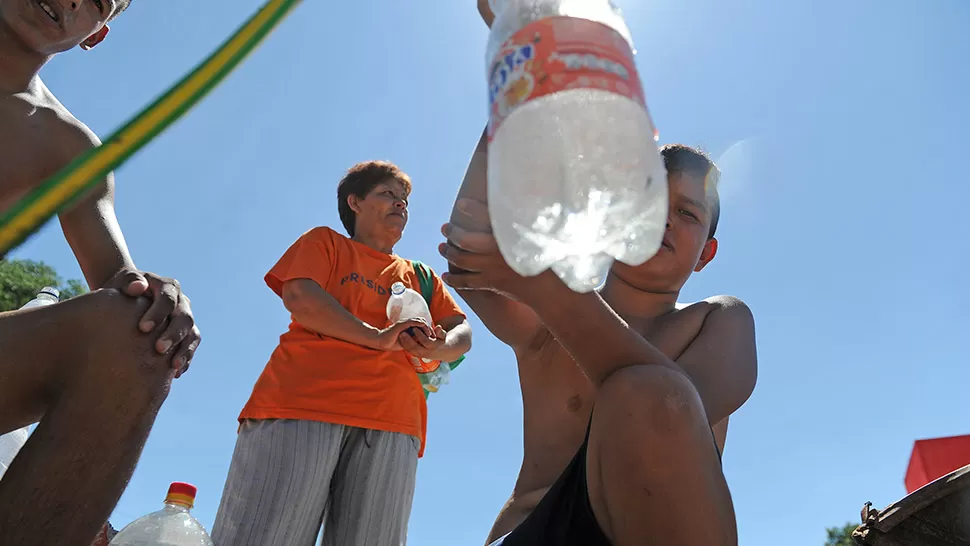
pixel 397 288
pixel 51 291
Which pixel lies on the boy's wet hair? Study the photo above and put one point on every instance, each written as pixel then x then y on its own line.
pixel 683 159
pixel 359 181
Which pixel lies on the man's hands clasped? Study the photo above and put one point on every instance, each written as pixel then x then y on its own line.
pixel 170 314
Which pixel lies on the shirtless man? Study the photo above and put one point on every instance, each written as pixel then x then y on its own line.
pixel 620 389
pixel 93 370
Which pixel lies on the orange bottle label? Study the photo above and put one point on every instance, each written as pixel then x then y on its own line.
pixel 557 54
pixel 421 366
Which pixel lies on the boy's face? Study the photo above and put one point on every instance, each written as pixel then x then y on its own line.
pixel 49 27
pixel 686 247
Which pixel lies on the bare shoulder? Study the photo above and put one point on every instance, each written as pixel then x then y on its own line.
pixel 727 302
pixel 722 359
pixel 714 303
pixel 40 136
pixel 719 318
pixel 67 135
pixel 74 136
pixel 731 315
pixel 730 308
pixel 711 315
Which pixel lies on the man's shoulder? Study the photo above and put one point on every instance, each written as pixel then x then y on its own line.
pixel 76 133
pixel 65 133
pixel 73 134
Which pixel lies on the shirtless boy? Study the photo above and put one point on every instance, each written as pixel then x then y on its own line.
pixel 620 388
pixel 93 370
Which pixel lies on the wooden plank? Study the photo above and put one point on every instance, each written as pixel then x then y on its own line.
pixel 937 513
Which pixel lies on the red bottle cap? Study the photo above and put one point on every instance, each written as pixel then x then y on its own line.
pixel 182 494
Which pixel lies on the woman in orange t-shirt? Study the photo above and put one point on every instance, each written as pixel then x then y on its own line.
pixel 336 422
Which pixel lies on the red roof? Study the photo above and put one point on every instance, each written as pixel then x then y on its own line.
pixel 935 458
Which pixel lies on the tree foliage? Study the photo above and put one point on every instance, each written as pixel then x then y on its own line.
pixel 21 280
pixel 841 536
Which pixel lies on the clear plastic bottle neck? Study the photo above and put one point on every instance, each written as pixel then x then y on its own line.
pixel 176 508
pixel 521 12
pixel 50 291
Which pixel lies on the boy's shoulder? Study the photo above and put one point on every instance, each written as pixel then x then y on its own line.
pixel 713 320
pixel 723 303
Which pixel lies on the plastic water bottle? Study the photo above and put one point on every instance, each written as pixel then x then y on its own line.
pixel 575 179
pixel 12 442
pixel 406 303
pixel 173 525
pixel 48 295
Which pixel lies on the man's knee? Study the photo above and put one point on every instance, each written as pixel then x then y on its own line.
pixel 111 308
pixel 656 397
pixel 118 355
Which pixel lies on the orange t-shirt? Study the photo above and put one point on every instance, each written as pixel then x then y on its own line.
pixel 318 378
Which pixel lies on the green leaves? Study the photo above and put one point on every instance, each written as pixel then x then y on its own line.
pixel 20 280
pixel 841 536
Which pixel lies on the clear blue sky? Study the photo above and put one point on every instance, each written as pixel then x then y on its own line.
pixel 843 127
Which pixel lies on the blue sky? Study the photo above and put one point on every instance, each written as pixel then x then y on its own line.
pixel 842 132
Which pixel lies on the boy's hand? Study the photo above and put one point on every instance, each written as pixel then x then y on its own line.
pixel 418 343
pixel 486 12
pixel 476 253
pixel 170 308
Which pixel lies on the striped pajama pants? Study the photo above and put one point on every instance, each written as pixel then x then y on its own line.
pixel 288 478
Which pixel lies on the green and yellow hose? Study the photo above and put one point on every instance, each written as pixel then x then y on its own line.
pixel 60 190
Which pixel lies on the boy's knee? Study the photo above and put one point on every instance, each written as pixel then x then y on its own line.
pixel 657 397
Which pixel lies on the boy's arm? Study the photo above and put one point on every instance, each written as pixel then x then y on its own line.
pixel 720 361
pixel 315 309
pixel 486 12
pixel 512 322
pixel 92 230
